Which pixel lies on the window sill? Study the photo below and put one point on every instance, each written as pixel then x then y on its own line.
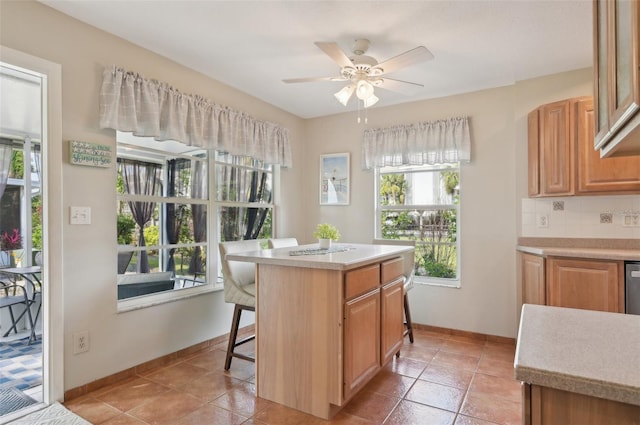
pixel 146 301
pixel 446 283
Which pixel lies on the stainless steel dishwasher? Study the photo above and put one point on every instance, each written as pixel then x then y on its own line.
pixel 632 287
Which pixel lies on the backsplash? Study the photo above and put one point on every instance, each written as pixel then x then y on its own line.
pixel 582 217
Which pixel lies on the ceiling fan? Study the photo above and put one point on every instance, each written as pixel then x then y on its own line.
pixel 364 72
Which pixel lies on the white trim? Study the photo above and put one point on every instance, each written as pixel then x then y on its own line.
pixel 53 302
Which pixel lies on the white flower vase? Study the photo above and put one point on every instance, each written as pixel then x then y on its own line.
pixel 324 243
pixel 16 257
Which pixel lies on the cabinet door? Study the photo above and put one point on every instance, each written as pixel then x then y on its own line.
pixel 361 341
pixel 624 92
pixel 533 288
pixel 392 319
pixel 533 152
pixel 616 74
pixel 601 72
pixel 556 150
pixel 601 175
pixel 585 284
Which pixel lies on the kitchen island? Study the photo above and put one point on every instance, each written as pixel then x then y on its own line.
pixel 326 321
pixel 578 366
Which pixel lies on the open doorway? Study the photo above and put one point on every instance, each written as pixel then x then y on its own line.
pixel 30 128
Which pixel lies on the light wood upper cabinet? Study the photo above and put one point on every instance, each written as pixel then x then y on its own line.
pixel 532 269
pixel 585 284
pixel 533 152
pixel 616 25
pixel 562 161
pixel 601 175
pixel 551 149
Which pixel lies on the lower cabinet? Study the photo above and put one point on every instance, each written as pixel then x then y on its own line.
pixel 373 321
pixel 572 282
pixel 361 341
pixel 544 405
pixel 533 288
pixel 586 284
pixel 392 309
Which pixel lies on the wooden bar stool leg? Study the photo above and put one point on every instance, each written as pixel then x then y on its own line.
pixel 235 324
pixel 407 315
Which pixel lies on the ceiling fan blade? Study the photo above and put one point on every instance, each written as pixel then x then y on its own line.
pixel 334 52
pixel 313 79
pixel 404 87
pixel 405 59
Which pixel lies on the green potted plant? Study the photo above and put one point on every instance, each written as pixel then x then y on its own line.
pixel 326 233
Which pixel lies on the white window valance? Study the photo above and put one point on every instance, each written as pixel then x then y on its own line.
pixel 438 142
pixel 129 102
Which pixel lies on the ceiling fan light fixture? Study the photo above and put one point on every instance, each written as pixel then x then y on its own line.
pixel 370 101
pixel 344 95
pixel 364 90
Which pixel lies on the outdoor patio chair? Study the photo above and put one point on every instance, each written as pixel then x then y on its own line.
pixel 13 295
pixel 239 289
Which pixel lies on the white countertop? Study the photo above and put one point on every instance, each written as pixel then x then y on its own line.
pixel 355 255
pixel 595 253
pixel 587 352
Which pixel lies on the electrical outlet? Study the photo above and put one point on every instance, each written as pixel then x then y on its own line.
pixel 631 220
pixel 80 342
pixel 542 220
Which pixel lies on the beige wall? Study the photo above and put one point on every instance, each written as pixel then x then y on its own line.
pixel 492 185
pixel 119 341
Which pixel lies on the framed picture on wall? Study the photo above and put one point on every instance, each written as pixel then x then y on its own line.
pixel 334 179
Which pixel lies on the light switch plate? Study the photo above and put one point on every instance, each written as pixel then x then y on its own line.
pixel 80 215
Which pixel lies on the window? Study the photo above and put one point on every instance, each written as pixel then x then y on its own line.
pixel 161 208
pixel 21 204
pixel 244 197
pixel 422 203
pixel 165 227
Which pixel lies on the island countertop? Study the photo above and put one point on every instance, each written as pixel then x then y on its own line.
pixel 587 352
pixel 341 256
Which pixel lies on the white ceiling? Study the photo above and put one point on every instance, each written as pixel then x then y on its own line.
pixel 254 45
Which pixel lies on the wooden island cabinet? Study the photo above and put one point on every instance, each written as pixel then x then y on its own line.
pixel 578 366
pixel 326 324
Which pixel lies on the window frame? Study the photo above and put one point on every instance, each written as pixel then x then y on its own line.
pixel 159 156
pixel 214 280
pixel 379 208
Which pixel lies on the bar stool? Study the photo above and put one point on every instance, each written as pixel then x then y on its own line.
pixel 409 272
pixel 239 289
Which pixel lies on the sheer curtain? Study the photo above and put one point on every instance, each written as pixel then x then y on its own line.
pixel 174 212
pixel 199 214
pixel 237 184
pixel 6 149
pixel 437 142
pixel 129 102
pixel 256 216
pixel 141 178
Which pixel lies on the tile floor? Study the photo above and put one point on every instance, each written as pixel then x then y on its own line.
pixel 440 379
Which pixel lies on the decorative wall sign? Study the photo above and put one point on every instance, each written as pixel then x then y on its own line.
pixel 90 154
pixel 334 179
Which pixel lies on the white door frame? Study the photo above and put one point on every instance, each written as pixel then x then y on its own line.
pixel 52 219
